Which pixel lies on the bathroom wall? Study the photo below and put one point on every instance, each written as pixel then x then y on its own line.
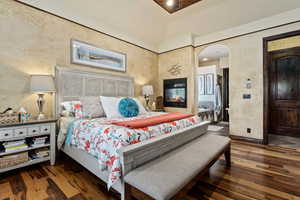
pixel 203 70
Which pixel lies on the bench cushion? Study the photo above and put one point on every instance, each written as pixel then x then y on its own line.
pixel 164 177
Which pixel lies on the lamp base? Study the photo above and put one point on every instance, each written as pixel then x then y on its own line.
pixel 41 116
pixel 147 99
pixel 40 103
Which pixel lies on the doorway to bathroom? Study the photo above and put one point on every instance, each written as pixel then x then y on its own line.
pixel 212 75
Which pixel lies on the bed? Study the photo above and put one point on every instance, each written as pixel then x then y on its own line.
pixel 73 84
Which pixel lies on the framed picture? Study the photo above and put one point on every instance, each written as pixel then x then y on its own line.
pixel 201 84
pixel 86 54
pixel 209 88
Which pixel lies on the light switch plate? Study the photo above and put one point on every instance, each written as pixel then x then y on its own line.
pixel 246 96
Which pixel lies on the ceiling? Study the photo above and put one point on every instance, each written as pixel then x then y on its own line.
pixel 145 23
pixel 211 16
pixel 214 52
pixel 175 5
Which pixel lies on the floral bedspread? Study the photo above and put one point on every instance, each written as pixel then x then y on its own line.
pixel 101 139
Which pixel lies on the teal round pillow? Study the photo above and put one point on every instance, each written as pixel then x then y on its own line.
pixel 128 107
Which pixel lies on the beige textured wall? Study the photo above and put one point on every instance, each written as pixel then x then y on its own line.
pixel 284 43
pixel 33 42
pixel 185 58
pixel 246 61
pixel 245 64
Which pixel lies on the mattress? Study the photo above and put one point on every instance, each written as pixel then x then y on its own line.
pixel 101 139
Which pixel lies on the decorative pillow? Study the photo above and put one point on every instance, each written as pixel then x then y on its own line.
pixel 128 107
pixel 110 106
pixel 77 108
pixel 92 107
pixel 66 113
pixel 68 105
pixel 73 108
pixel 142 109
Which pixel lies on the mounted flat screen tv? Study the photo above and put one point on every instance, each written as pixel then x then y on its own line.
pixel 175 92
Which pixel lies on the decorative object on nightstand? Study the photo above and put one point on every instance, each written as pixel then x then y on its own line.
pixel 27 143
pixel 159 103
pixel 9 116
pixel 147 92
pixel 42 84
pixel 8 111
pixel 24 115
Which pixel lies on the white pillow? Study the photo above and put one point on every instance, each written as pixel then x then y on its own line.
pixel 142 109
pixel 111 106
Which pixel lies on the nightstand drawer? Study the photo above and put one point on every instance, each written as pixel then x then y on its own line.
pixel 6 134
pixel 20 132
pixel 45 129
pixel 34 130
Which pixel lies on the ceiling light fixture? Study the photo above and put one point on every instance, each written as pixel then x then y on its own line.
pixel 205 59
pixel 170 3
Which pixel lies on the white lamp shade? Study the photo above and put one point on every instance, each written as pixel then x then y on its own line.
pixel 148 90
pixel 42 84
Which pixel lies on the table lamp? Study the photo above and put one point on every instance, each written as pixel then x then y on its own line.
pixel 147 92
pixel 41 84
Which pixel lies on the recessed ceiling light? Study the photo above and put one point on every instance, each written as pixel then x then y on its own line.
pixel 170 3
pixel 205 59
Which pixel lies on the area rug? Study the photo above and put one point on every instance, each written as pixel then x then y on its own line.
pixel 214 128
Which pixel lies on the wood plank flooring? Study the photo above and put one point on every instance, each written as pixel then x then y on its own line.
pixel 257 172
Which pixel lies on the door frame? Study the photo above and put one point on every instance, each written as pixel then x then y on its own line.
pixel 225 95
pixel 266 80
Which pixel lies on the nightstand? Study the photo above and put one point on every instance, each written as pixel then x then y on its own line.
pixel 28 131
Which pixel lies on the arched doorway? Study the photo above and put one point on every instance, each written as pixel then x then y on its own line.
pixel 212 75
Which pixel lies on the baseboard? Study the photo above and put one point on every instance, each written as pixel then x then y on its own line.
pixel 246 139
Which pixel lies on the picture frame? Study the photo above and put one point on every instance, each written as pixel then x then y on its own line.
pixel 209 86
pixel 201 84
pixel 86 54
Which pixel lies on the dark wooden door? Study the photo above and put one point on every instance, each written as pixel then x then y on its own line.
pixel 225 94
pixel 285 92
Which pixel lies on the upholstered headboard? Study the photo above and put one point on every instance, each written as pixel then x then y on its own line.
pixel 73 83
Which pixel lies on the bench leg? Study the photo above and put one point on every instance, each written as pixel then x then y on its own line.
pixel 228 156
pixel 128 195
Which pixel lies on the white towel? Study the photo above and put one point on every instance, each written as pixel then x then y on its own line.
pixel 218 100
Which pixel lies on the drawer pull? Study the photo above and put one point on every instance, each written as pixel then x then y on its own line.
pixel 33 131
pixel 21 133
pixel 6 134
pixel 45 129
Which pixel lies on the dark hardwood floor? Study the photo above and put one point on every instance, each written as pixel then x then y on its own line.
pixel 257 172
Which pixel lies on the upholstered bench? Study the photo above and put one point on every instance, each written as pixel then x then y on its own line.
pixel 165 176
